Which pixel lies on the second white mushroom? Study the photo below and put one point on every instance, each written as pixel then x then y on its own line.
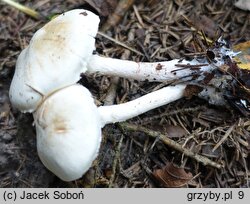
pixel 68 126
pixel 68 123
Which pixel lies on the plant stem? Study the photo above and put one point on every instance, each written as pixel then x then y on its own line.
pixel 171 143
pixel 24 9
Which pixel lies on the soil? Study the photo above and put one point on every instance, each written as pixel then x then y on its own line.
pixel 161 30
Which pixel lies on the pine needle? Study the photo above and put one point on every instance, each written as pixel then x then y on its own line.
pixel 24 9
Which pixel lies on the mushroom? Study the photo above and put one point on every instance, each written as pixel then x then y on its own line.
pixel 68 126
pixel 68 129
pixel 56 56
pixel 68 123
pixel 164 71
pixel 61 50
pixel 243 4
pixel 155 71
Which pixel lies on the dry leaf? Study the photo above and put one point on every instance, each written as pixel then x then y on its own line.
pixel 192 90
pixel 174 131
pixel 171 176
pixel 243 58
pixel 171 131
pixel 239 95
pixel 208 78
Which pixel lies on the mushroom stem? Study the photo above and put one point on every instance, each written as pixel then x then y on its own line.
pixel 122 112
pixel 165 71
pixel 67 145
pixel 156 71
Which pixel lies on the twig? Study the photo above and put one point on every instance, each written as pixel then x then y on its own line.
pixel 204 160
pixel 119 43
pixel 138 16
pixel 114 167
pixel 111 94
pixel 24 9
pixel 36 15
pixel 228 132
pixel 170 113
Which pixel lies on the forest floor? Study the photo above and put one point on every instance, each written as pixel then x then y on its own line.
pixel 129 155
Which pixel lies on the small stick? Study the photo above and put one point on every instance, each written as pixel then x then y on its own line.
pixel 138 16
pixel 119 43
pixel 171 143
pixel 115 162
pixel 111 94
pixel 223 138
pixel 24 9
pixel 174 112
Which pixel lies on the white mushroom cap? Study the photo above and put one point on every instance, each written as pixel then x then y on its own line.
pixel 243 4
pixel 68 132
pixel 55 58
pixel 68 126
